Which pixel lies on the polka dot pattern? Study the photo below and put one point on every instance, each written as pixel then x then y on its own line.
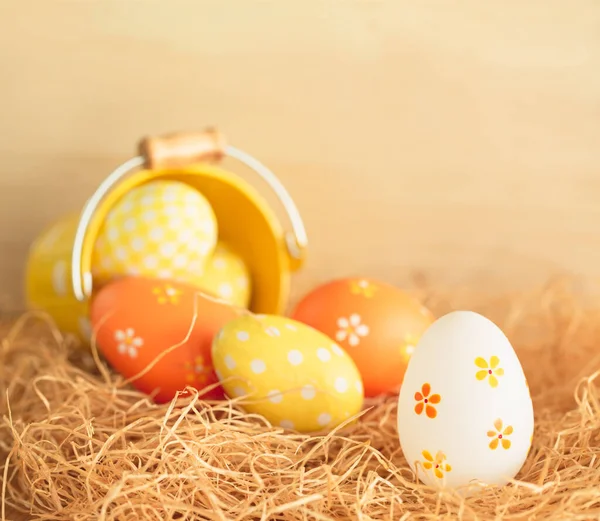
pixel 341 385
pixel 324 419
pixel 295 357
pixel 48 277
pixel 272 331
pixel 143 232
pixel 230 362
pixel 308 392
pixel 226 276
pixel 225 290
pixel 323 354
pixel 275 396
pixel 239 392
pixel 243 336
pixel 59 278
pixel 337 350
pixel 258 366
pixel 298 380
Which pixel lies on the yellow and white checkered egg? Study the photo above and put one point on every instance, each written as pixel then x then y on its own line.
pixel 226 276
pixel 164 229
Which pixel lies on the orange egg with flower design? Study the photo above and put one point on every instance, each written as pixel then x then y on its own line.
pixel 158 334
pixel 377 324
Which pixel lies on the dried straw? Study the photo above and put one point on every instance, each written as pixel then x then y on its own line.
pixel 79 445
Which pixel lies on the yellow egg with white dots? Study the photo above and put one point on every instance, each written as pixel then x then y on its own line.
pixel 226 276
pixel 287 372
pixel 163 229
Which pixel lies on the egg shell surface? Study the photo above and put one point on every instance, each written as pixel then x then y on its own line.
pixel 135 319
pixel 464 410
pixel 289 373
pixel 162 229
pixel 226 276
pixel 378 325
pixel 48 282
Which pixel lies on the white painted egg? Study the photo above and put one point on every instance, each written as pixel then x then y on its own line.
pixel 162 229
pixel 291 374
pixel 226 276
pixel 465 415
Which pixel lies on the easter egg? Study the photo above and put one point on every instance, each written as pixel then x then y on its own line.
pixel 48 283
pixel 136 319
pixel 464 410
pixel 291 374
pixel 162 229
pixel 376 323
pixel 226 276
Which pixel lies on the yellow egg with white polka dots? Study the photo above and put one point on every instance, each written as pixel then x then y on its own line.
pixel 226 276
pixel 163 229
pixel 287 372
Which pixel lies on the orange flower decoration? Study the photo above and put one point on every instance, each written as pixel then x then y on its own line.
pixel 438 464
pixel 426 401
pixel 499 435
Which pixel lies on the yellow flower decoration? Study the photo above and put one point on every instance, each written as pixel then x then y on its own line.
pixel 167 294
pixel 438 464
pixel 197 372
pixel 489 371
pixel 499 435
pixel 363 287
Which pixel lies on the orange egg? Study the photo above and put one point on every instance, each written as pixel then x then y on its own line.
pixel 136 319
pixel 378 325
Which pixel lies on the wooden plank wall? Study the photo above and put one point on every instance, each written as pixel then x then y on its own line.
pixel 461 139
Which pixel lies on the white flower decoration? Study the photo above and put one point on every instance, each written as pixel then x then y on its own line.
pixel 128 342
pixel 351 329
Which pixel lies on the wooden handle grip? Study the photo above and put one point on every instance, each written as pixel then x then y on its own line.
pixel 181 149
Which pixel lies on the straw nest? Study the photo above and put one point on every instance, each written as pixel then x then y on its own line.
pixel 79 445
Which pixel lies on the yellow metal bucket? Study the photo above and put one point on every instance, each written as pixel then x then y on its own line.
pixel 58 273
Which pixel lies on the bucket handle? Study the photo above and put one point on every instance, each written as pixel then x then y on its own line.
pixel 296 240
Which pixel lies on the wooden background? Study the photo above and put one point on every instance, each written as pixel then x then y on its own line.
pixel 461 139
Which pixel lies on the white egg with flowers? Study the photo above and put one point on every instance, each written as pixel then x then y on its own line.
pixel 465 415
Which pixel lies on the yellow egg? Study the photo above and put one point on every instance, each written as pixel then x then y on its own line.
pixel 226 276
pixel 291 374
pixel 163 229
